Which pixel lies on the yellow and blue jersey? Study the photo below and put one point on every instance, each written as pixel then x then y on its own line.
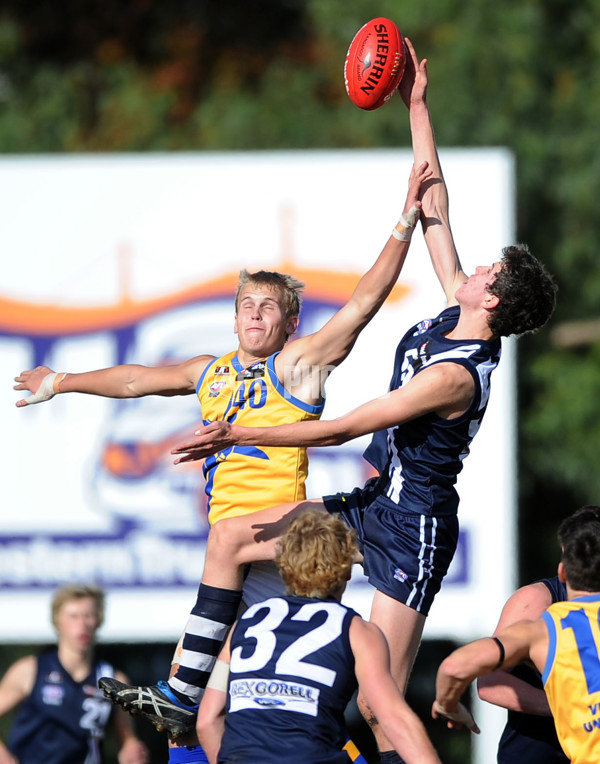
pixel 245 479
pixel 571 676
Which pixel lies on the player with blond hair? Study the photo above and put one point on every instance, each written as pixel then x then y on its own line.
pixel 265 379
pixel 62 714
pixel 294 662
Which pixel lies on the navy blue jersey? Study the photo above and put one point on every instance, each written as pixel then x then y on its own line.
pixel 420 460
pixel 291 677
pixel 62 721
pixel 528 737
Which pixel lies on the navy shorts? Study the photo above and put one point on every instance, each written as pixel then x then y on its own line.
pixel 406 555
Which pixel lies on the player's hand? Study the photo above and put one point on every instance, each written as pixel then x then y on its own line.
pixel 39 382
pixel 209 439
pixel 455 719
pixel 418 176
pixel 133 751
pixel 413 85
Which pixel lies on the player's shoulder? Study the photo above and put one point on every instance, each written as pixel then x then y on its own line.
pixel 364 631
pixel 526 603
pixel 21 674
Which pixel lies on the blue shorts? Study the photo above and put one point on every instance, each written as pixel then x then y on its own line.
pixel 406 555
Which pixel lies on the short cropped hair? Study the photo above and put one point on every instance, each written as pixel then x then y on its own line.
pixel 526 290
pixel 77 592
pixel 315 555
pixel 579 536
pixel 289 288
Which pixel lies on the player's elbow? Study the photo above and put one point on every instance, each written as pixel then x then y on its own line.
pixel 485 687
pixel 456 669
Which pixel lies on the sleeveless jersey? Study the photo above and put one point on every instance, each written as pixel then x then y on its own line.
pixel 528 737
pixel 291 677
pixel 62 721
pixel 571 676
pixel 245 479
pixel 419 461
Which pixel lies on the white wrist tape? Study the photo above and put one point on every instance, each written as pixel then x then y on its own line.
pixel 406 224
pixel 47 388
pixel 219 677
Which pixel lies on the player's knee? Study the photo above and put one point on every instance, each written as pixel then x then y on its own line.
pixel 223 542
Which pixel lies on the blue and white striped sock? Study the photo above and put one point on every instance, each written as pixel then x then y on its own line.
pixel 212 615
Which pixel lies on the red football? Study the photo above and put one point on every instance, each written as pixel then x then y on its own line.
pixel 374 63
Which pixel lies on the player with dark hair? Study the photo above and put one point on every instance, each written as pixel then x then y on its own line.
pixel 563 645
pixel 407 517
pixel 62 714
pixel 294 661
pixel 266 379
pixel 529 734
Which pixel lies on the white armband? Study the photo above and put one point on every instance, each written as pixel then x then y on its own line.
pixel 219 677
pixel 406 224
pixel 47 389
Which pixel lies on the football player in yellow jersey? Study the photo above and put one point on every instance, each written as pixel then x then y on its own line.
pixel 265 374
pixel 564 645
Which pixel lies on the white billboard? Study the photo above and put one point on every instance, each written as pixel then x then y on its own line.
pixel 134 258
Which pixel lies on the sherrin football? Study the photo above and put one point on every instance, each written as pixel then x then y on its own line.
pixel 374 63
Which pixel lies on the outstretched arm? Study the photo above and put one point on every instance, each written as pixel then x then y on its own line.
pixel 320 352
pixel 126 381
pixel 434 213
pixel 446 388
pixel 401 725
pixel 501 687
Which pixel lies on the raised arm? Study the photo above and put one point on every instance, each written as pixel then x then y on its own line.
pixel 446 388
pixel 329 346
pixel 126 381
pixel 434 216
pixel 401 725
pixel 501 687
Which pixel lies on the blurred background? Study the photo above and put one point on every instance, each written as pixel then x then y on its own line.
pixel 148 76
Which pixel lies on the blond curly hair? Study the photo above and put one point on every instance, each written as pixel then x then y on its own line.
pixel 315 555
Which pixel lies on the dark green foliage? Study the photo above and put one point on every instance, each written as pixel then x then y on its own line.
pixel 137 75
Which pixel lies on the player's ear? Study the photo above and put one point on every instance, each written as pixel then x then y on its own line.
pixel 291 325
pixel 562 575
pixel 235 324
pixel 490 301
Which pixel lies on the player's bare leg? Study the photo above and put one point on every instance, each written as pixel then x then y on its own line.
pixel 237 541
pixel 403 628
pixel 172 705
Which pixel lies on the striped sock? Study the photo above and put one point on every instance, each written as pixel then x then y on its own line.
pixel 212 615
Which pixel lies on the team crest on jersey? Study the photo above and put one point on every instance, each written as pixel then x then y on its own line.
pixel 54 676
pixel 220 370
pixel 252 372
pixel 216 388
pixel 53 694
pixel 424 325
